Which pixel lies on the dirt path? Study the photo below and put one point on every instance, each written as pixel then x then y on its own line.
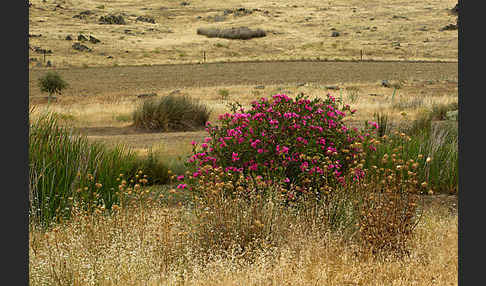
pixel 134 79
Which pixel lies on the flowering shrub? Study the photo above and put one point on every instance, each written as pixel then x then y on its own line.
pixel 301 144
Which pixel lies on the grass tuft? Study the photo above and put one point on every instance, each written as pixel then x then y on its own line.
pixel 171 113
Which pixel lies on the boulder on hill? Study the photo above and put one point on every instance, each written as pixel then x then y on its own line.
pixel 112 19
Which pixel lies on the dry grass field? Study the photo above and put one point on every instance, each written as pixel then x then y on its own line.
pixel 154 244
pixel 383 29
pixel 140 246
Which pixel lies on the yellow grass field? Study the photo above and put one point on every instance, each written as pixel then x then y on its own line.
pixel 150 247
pixel 382 29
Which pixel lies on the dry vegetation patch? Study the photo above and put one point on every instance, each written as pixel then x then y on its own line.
pixel 140 246
pixel 389 29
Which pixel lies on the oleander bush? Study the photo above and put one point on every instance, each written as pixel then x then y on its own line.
pixel 301 144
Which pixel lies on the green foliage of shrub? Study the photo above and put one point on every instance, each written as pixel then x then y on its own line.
pixel 171 113
pixel 52 83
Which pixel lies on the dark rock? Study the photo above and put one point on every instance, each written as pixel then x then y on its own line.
pixel 242 12
pixel 399 17
pixel 94 40
pixel 40 50
pixel 109 57
pixel 82 38
pixel 332 87
pixel 143 95
pixel 80 47
pixel 146 19
pixel 184 3
pixel 69 38
pixel 335 34
pixel 48 64
pixel 375 94
pixel 84 14
pixel 35 36
pixel 449 27
pixel 455 10
pixel 112 19
pixel 385 83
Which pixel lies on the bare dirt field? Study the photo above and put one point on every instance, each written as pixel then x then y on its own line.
pixel 140 79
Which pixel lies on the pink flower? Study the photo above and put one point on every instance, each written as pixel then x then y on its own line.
pixel 182 186
pixel 253 167
pixel 179 178
pixel 235 157
pixel 286 180
pixel 374 124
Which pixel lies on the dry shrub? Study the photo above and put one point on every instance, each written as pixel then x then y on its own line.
pixel 388 205
pixel 240 33
pixel 234 217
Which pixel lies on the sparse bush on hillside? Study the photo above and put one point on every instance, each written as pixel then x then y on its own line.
pixel 52 83
pixel 171 113
pixel 240 33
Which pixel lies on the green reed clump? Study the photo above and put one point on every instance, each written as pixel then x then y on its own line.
pixel 171 113
pixel 435 148
pixel 62 162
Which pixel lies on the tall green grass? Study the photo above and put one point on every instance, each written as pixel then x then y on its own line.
pixel 436 140
pixel 64 168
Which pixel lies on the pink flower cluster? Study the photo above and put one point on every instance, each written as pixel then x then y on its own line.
pixel 283 137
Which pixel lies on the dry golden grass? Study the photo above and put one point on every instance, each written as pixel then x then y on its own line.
pixel 152 246
pixel 294 31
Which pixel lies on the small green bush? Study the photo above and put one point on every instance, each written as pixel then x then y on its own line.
pixel 171 113
pixel 52 83
pixel 224 93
